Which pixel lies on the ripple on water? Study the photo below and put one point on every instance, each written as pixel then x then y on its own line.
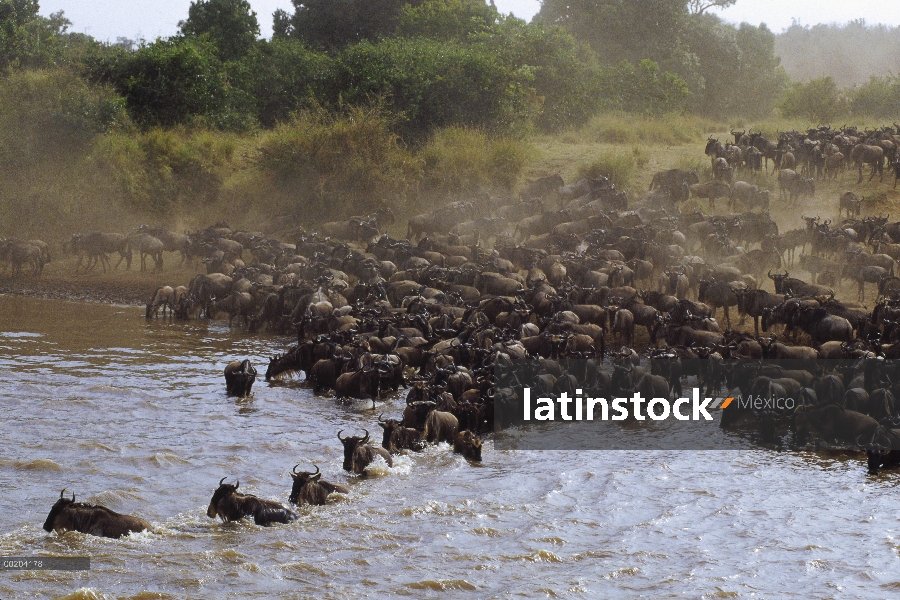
pixel 443 585
pixel 38 464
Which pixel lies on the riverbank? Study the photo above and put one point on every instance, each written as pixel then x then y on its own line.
pixel 124 287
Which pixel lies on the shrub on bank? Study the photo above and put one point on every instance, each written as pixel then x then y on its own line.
pixel 333 165
pixel 459 162
pixel 619 167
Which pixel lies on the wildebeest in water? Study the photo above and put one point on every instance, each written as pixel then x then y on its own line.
pixel 358 453
pixel 239 378
pixel 68 515
pixel 229 505
pixel 309 488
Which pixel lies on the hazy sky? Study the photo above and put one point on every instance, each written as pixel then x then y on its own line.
pixel 109 19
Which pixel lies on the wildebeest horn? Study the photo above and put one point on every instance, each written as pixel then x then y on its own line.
pixel 339 436
pixel 223 479
pixel 380 419
pixel 365 439
pixel 237 484
pixel 61 493
pixel 294 470
pixel 317 475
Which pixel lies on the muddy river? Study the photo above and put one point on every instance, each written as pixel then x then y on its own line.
pixel 134 416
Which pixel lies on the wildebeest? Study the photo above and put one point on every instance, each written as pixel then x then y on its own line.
pixel 712 190
pixel 229 505
pixel 163 298
pixel 794 185
pixel 147 245
pixel 397 437
pixel 358 453
pixel 95 245
pixel 309 488
pixel 440 427
pixel 863 154
pixel 467 444
pixel 850 203
pixel 239 378
pixel 68 515
pixel 673 178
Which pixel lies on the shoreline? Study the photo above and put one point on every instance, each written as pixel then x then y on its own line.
pixel 126 288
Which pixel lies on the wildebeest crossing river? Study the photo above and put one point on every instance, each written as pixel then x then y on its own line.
pixel 133 415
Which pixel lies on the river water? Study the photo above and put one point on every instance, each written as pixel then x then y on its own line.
pixel 133 415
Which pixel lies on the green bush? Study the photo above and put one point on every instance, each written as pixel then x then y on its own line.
pixel 879 98
pixel 48 111
pixel 334 165
pixel 429 85
pixel 644 89
pixel 173 82
pixel 283 76
pixel 164 170
pixel 818 100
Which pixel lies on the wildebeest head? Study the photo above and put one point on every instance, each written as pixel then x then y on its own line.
pixel 389 426
pixel 350 444
pixel 57 508
pixel 222 492
pixel 301 480
pixel 778 279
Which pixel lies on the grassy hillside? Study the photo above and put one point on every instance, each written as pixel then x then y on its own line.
pixel 59 179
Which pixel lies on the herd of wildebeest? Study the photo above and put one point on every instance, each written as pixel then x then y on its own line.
pixel 556 275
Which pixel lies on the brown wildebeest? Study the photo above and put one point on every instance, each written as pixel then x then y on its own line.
pixel 397 437
pixel 467 444
pixel 68 515
pixel 229 505
pixel 309 488
pixel 441 427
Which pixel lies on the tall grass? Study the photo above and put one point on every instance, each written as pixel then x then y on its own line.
pixel 619 167
pixel 459 161
pixel 625 128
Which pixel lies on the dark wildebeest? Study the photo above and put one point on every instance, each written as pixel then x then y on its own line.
pixel 309 488
pixel 673 178
pixel 229 505
pixel 467 444
pixel 863 154
pixel 358 454
pixel 850 203
pixel 397 437
pixel 239 378
pixel 68 515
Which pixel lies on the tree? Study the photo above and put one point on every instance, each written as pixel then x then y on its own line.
pixel 622 29
pixel 18 12
pixel 172 82
pixel 447 19
pixel 230 24
pixel 698 7
pixel 30 40
pixel 335 24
